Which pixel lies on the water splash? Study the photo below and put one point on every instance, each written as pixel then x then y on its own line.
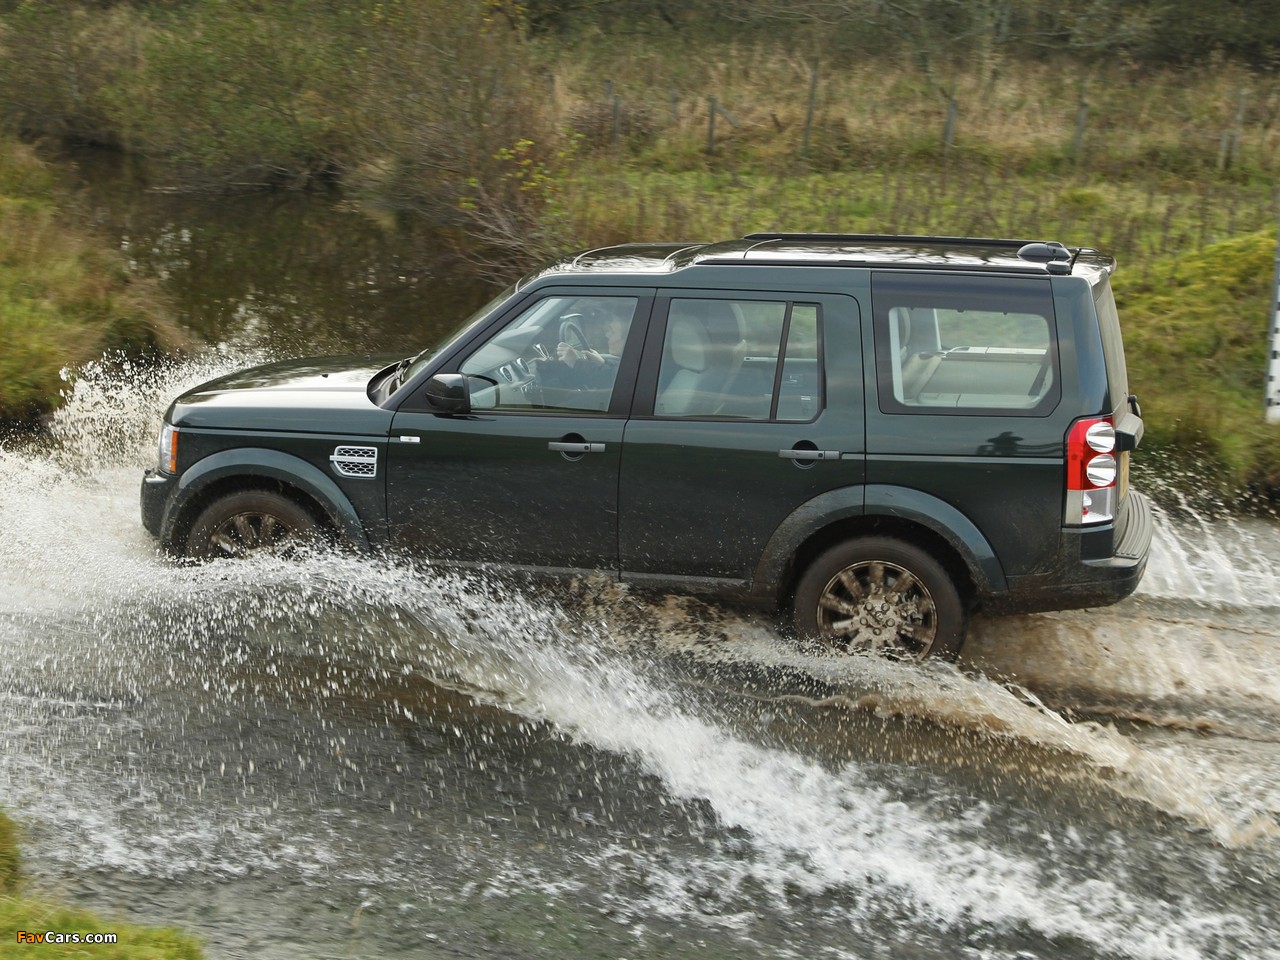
pixel 92 617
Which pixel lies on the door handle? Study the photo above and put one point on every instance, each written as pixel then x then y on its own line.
pixel 563 446
pixel 793 454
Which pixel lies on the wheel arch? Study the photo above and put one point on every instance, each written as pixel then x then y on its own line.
pixel 252 468
pixel 905 514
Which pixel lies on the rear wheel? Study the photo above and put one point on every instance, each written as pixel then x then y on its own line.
pixel 249 522
pixel 880 595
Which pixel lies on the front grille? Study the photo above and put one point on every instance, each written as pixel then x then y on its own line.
pixel 358 462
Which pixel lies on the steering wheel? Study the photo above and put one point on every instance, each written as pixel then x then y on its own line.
pixel 571 331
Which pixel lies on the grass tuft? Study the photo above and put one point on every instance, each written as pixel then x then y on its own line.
pixel 1196 342
pixel 20 911
pixel 64 298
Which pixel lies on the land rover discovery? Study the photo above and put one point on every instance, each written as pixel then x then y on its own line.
pixel 878 435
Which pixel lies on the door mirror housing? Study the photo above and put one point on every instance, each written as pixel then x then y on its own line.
pixel 449 394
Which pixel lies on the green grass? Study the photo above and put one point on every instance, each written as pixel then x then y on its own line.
pixel 20 911
pixel 10 861
pixel 1196 339
pixel 64 297
pixel 1137 222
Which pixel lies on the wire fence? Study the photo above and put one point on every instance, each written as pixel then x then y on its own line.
pixel 620 119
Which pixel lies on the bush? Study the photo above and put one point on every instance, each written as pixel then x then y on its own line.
pixel 1196 341
pixel 63 299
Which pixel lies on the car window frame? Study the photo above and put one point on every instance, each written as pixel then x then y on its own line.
pixel 620 403
pixel 924 290
pixel 646 391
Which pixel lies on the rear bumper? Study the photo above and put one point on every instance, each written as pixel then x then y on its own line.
pixel 1094 568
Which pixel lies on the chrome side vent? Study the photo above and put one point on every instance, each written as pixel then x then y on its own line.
pixel 358 462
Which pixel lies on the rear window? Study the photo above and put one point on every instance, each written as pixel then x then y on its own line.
pixel 965 345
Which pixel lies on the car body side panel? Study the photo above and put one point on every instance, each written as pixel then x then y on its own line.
pixel 964 536
pixel 700 497
pixel 263 463
pixel 489 487
pixel 1003 474
pixel 832 507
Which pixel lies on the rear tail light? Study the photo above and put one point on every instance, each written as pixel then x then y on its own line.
pixel 1093 470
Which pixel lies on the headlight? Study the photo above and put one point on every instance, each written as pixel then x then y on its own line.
pixel 168 449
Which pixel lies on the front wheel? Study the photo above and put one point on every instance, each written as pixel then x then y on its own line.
pixel 249 522
pixel 883 596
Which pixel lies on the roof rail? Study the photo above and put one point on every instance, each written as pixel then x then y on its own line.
pixel 1050 254
pixel 865 237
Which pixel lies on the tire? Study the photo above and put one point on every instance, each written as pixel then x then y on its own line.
pixel 883 596
pixel 249 522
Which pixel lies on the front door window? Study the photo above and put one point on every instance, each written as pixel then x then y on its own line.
pixel 562 354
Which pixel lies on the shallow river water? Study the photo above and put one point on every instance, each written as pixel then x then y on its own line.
pixel 361 757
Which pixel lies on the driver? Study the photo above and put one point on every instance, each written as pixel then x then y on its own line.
pixel 611 336
pixel 593 365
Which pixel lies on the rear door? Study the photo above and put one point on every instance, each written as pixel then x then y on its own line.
pixel 748 405
pixel 1124 405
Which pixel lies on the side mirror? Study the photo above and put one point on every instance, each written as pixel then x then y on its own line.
pixel 449 393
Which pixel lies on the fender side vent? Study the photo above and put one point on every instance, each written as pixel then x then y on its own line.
pixel 358 462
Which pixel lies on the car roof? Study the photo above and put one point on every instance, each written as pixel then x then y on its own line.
pixel 969 254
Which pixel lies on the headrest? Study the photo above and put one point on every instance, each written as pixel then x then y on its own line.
pixel 689 343
pixel 901 318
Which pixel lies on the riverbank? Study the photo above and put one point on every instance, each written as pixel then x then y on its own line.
pixel 1194 314
pixel 65 297
pixel 511 143
pixel 23 913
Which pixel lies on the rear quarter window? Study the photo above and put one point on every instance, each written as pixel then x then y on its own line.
pixel 965 345
pixel 1112 344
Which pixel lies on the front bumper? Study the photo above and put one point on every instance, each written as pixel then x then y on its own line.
pixel 1095 568
pixel 156 494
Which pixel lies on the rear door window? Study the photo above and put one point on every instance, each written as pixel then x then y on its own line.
pixel 1112 344
pixel 740 359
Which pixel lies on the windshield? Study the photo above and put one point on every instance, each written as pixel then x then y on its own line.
pixel 425 356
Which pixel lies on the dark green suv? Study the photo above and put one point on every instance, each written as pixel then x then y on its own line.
pixel 877 434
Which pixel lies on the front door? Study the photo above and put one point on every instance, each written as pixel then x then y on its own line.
pixel 530 476
pixel 749 405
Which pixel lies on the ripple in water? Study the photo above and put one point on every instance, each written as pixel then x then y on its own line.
pixel 93 621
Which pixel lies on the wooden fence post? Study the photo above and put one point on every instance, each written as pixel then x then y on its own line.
pixel 1229 148
pixel 711 125
pixel 953 109
pixel 1082 121
pixel 808 117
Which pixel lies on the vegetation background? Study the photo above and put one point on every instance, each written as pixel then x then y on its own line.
pixel 521 130
pixel 20 910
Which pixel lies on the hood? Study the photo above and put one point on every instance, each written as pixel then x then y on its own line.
pixel 317 394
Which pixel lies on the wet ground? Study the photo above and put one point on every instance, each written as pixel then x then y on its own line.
pixel 355 757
